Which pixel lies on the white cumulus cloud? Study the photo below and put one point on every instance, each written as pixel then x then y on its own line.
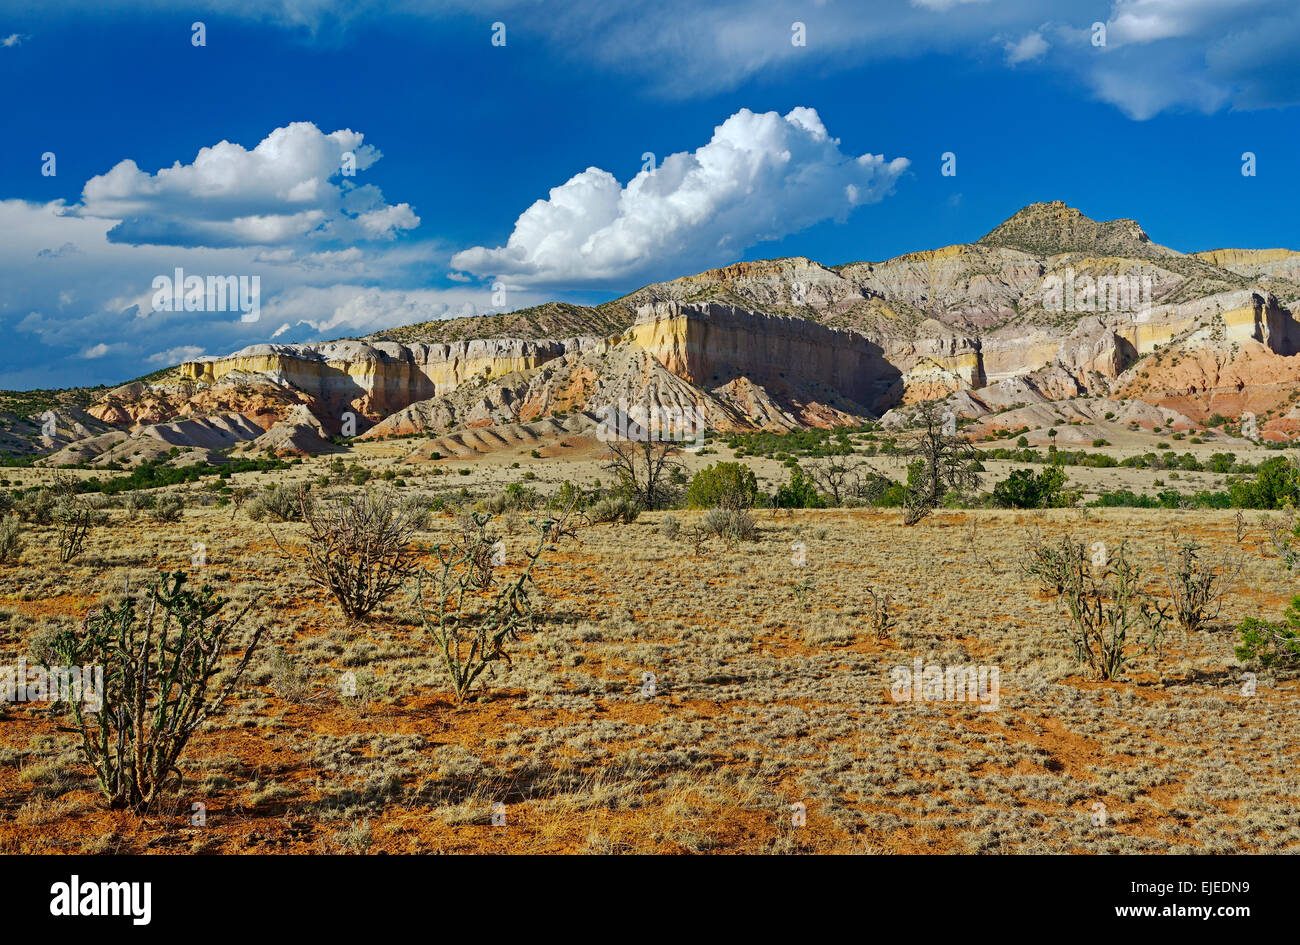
pixel 761 177
pixel 296 187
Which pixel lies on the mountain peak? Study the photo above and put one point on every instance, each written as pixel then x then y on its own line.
pixel 1050 228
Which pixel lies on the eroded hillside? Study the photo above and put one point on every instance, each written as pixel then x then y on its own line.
pixel 1050 305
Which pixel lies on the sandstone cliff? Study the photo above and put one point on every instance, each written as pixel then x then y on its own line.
pixel 739 369
pixel 1050 305
pixel 373 380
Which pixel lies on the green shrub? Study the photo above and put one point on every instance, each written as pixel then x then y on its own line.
pixel 799 492
pixel 168 507
pixel 279 504
pixel 570 494
pixel 417 507
pixel 1222 462
pixel 1276 485
pixel 723 485
pixel 1165 499
pixel 1025 490
pixel 155 475
pixel 515 497
pixel 1272 643
pixel 731 525
pixel 616 508
pixel 37 507
pixel 138 502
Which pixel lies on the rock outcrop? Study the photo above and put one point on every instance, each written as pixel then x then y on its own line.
pixel 50 430
pixel 734 368
pixel 712 344
pixel 256 396
pixel 372 380
pixel 1256 263
pixel 1049 306
pixel 298 434
pixel 575 432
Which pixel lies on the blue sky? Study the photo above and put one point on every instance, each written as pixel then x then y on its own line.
pixel 830 150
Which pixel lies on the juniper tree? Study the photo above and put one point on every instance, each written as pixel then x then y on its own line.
pixel 941 462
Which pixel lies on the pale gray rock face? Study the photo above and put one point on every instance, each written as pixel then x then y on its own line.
pixel 298 433
pixel 1093 348
pixel 967 285
pixel 199 439
pixel 710 344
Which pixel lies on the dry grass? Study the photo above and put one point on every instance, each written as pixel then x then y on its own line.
pixel 771 689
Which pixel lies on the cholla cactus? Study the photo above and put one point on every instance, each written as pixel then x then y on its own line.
pixel 472 625
pixel 160 655
pixel 1052 564
pixel 73 521
pixel 1113 622
pixel 72 516
pixel 1197 585
pixel 359 549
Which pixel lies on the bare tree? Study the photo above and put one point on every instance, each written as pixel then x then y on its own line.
pixel 939 462
pixel 837 477
pixel 642 468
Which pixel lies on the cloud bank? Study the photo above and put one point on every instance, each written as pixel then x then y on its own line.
pixel 1200 55
pixel 78 300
